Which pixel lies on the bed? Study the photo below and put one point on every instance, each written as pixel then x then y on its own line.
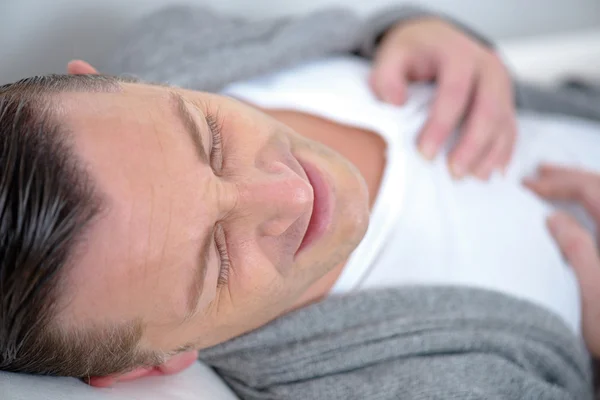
pixel 548 54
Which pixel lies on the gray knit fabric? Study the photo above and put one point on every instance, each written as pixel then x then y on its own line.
pixel 565 101
pixel 196 48
pixel 409 343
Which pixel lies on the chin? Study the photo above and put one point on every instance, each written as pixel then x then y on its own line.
pixel 354 220
pixel 352 208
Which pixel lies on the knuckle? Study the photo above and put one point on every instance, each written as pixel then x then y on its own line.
pixel 441 126
pixel 588 194
pixel 488 107
pixel 500 147
pixel 512 125
pixel 476 138
pixel 466 46
pixel 457 87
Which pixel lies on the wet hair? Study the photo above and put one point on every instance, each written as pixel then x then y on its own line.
pixel 47 203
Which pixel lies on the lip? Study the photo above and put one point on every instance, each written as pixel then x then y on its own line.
pixel 322 211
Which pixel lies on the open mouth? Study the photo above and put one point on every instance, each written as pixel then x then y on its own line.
pixel 322 211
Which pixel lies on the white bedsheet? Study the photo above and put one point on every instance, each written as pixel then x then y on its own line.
pixel 196 383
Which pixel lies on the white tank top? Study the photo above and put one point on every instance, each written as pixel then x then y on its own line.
pixel 427 228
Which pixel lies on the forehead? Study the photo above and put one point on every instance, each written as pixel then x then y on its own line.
pixel 124 138
pixel 78 105
pixel 146 169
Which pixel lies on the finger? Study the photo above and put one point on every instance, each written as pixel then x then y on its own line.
pixel 511 135
pixel 566 172
pixel 80 67
pixel 455 84
pixel 568 184
pixel 477 138
pixel 576 244
pixel 580 251
pixel 487 117
pixel 389 77
pixel 493 158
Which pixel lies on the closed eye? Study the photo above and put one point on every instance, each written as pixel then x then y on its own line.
pixel 216 149
pixel 216 161
pixel 224 264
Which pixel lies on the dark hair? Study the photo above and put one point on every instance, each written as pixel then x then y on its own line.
pixel 47 200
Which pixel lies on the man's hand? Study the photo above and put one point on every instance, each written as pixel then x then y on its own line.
pixel 578 246
pixel 473 85
pixel 173 366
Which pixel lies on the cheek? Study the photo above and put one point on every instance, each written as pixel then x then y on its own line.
pixel 173 229
pixel 252 272
pixel 249 263
pixel 210 288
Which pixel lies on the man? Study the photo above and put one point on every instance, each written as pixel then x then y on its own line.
pixel 147 221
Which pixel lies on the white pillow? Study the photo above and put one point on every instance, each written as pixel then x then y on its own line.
pixel 195 383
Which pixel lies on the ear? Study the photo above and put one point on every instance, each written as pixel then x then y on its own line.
pixel 80 67
pixel 174 365
pixel 110 380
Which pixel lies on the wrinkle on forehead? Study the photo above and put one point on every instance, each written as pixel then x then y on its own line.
pixel 137 261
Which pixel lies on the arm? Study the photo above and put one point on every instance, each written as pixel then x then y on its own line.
pixel 197 48
pixel 379 24
pixel 200 49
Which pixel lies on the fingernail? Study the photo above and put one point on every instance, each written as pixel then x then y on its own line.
pixel 428 150
pixel 458 171
pixel 480 175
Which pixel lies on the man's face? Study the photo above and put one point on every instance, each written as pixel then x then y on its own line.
pixel 201 232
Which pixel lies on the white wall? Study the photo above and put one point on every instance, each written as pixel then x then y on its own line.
pixel 40 36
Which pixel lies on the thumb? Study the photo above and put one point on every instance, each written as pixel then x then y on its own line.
pixel 579 249
pixel 577 245
pixel 388 78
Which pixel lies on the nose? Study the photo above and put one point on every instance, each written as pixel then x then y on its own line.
pixel 276 198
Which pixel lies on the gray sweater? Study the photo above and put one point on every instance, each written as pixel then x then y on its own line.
pixel 404 343
pixel 413 343
pixel 196 48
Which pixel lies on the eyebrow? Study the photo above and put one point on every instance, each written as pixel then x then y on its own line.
pixel 195 289
pixel 193 130
pixel 189 123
